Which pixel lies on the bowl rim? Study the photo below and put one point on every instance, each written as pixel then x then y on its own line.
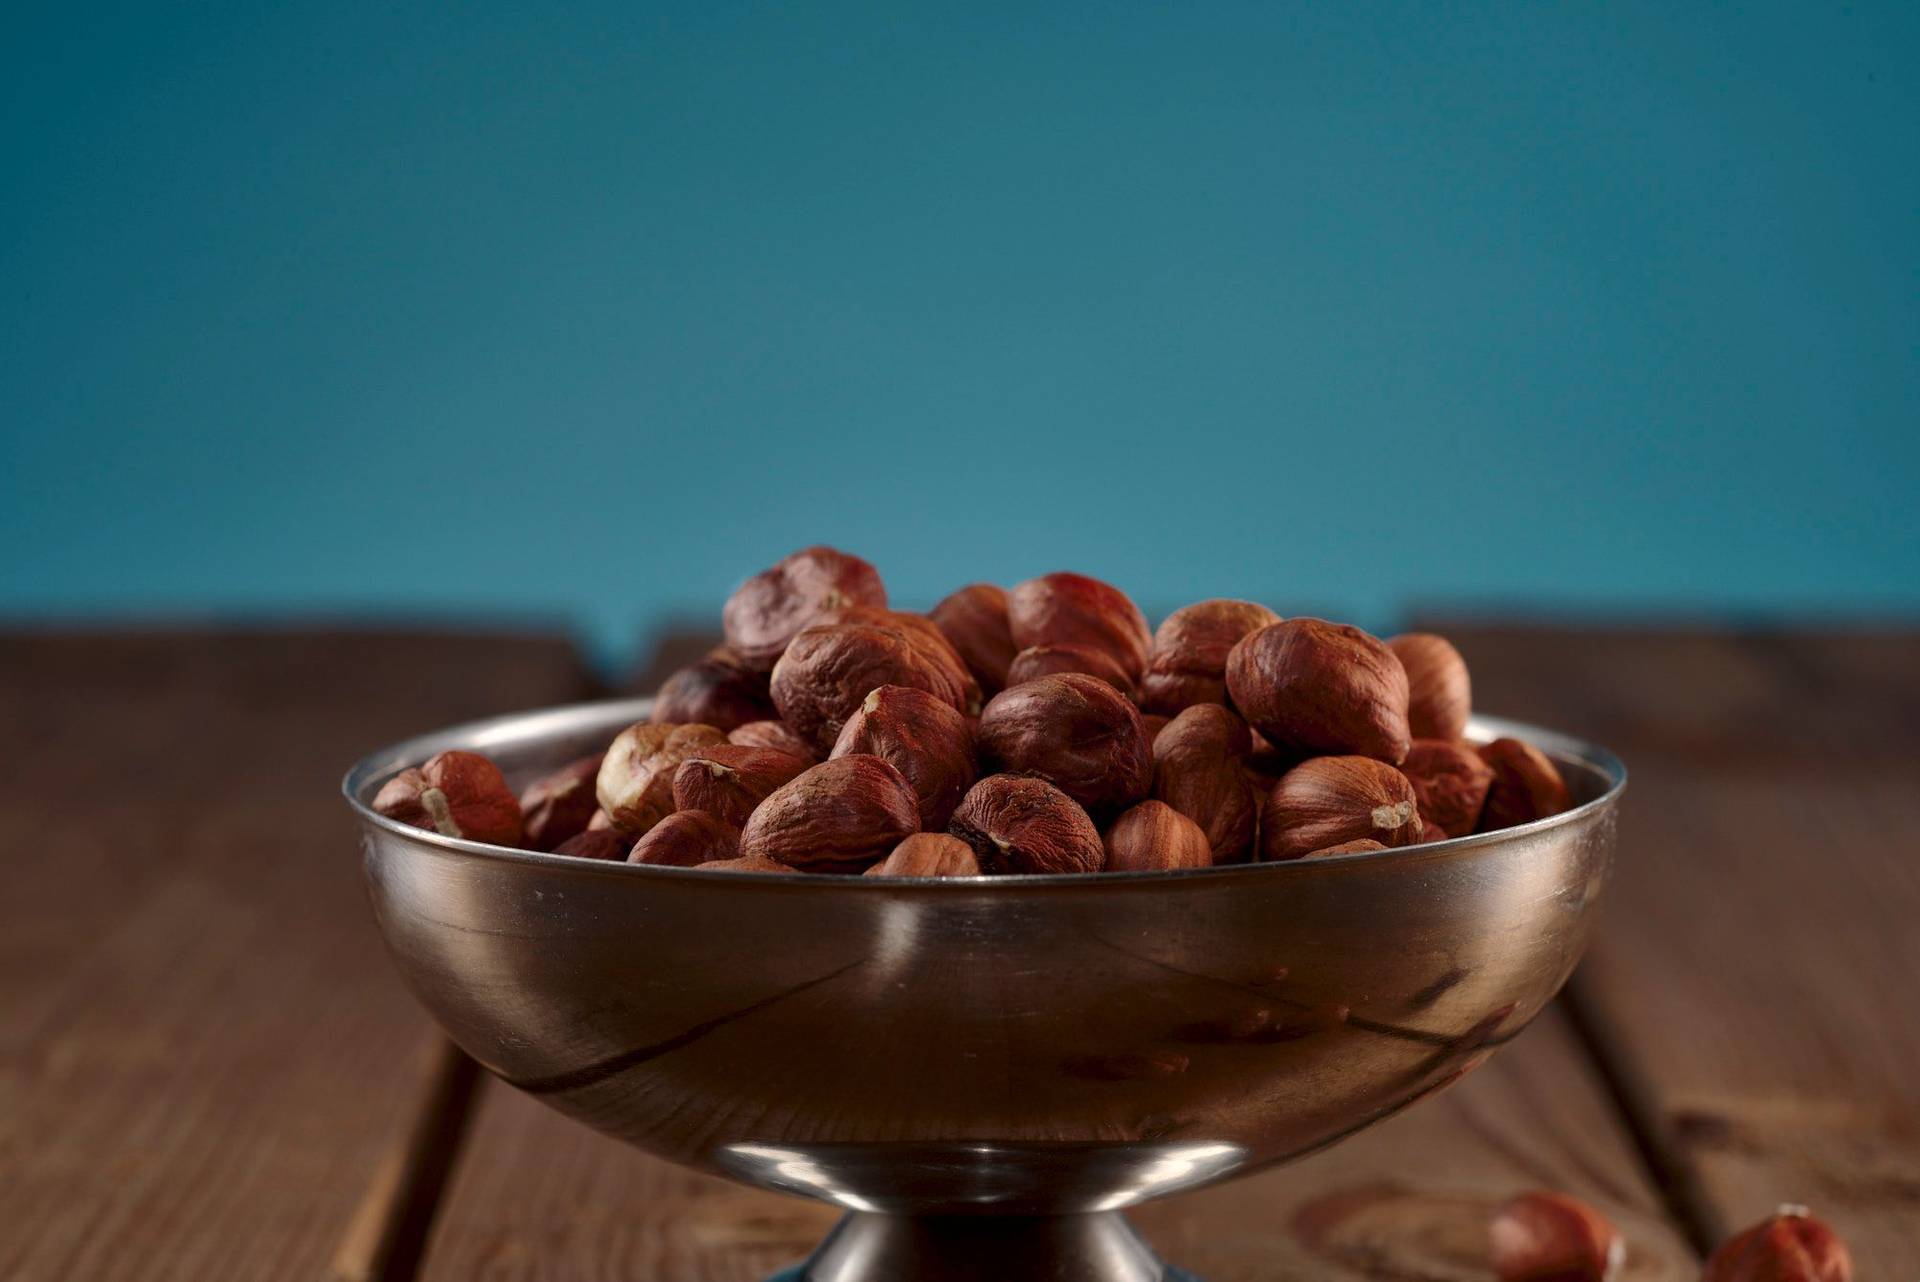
pixel 473 736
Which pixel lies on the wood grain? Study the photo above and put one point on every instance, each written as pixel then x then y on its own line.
pixel 205 1054
pixel 1753 990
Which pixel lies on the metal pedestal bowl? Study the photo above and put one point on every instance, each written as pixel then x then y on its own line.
pixel 983 1072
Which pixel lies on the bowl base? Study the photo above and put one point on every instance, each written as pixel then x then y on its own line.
pixel 1098 1246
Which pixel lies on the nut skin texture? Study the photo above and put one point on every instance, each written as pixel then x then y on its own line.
pixel 1439 692
pixel 927 741
pixel 974 621
pixel 1046 660
pixel 1364 846
pixel 1154 723
pixel 1154 836
pixel 745 863
pixel 635 785
pixel 1017 824
pixel 829 669
pixel 1526 785
pixel 1188 664
pixel 1072 609
pixel 686 839
pixel 1321 687
pixel 1450 783
pixel 1550 1237
pixel 932 644
pixel 771 608
pixel 929 854
pixel 773 733
pixel 1328 801
pixel 599 843
pixel 1197 771
pixel 456 794
pixel 1788 1246
pixel 718 691
pixel 852 810
pixel 1431 832
pixel 728 781
pixel 560 805
pixel 1076 732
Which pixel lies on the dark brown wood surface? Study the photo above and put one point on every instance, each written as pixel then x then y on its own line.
pixel 205 1058
pixel 208 1070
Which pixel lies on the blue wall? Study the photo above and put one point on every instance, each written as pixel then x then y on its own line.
pixel 593 309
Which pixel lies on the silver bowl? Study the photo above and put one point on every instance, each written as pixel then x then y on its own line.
pixel 982 1071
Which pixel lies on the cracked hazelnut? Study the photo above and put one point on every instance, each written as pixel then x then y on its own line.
pixel 718 691
pixel 635 784
pixel 687 839
pixel 929 854
pixel 1788 1246
pixel 1197 771
pixel 1072 609
pixel 771 608
pixel 1550 1237
pixel 596 843
pixel 1450 783
pixel 851 810
pixel 974 621
pixel 924 739
pixel 1439 693
pixel 1046 660
pixel 1326 801
pixel 1017 824
pixel 728 781
pixel 1075 731
pixel 1321 687
pixel 746 863
pixel 829 669
pixel 1526 785
pixel 1188 664
pixel 559 805
pixel 456 794
pixel 773 734
pixel 1153 835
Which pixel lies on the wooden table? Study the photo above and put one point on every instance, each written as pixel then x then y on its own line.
pixel 209 1071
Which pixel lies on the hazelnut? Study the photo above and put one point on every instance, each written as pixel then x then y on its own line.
pixel 770 609
pixel 1075 731
pixel 924 739
pixel 1431 832
pixel 1788 1246
pixel 1153 723
pixel 718 691
pixel 850 810
pixel 456 794
pixel 1197 771
pixel 635 784
pixel 687 839
pixel 974 621
pixel 1208 729
pixel 1072 609
pixel 728 781
pixel 1439 693
pixel 1188 664
pixel 1550 1237
pixel 773 734
pixel 830 668
pixel 560 805
pixel 745 863
pixel 1321 687
pixel 1020 825
pixel 929 854
pixel 1450 783
pixel 1364 846
pixel 601 822
pixel 1153 835
pixel 930 641
pixel 1526 785
pixel 1326 801
pixel 596 843
pixel 1045 660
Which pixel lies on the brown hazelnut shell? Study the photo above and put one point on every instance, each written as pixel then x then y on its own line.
pixel 974 621
pixel 1073 609
pixel 559 805
pixel 849 811
pixel 746 863
pixel 1327 801
pixel 1154 836
pixel 456 794
pixel 1526 785
pixel 1321 687
pixel 728 780
pixel 926 740
pixel 1075 731
pixel 773 733
pixel 718 690
pixel 1018 824
pixel 635 784
pixel 1188 664
pixel 1550 1237
pixel 1450 783
pixel 929 854
pixel 766 612
pixel 1439 692
pixel 603 844
pixel 1046 660
pixel 829 669
pixel 686 839
pixel 1788 1246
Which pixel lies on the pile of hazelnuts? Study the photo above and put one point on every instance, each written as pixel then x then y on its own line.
pixel 1044 729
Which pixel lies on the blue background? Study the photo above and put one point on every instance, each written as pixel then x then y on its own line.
pixel 588 311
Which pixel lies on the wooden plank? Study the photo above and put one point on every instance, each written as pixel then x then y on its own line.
pixel 540 1197
pixel 1753 987
pixel 206 1055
